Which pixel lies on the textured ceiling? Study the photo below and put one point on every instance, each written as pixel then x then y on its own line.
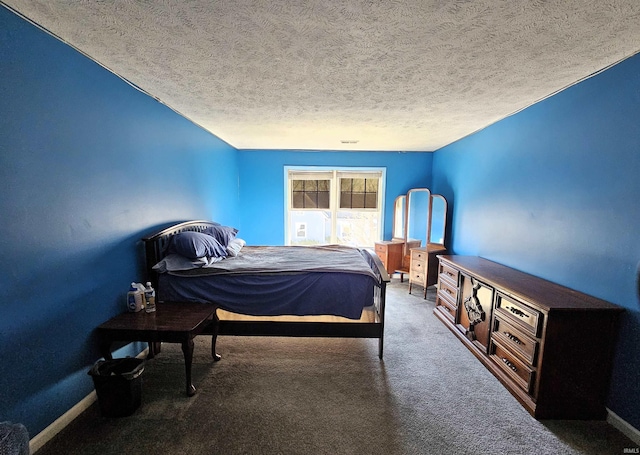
pixel 391 75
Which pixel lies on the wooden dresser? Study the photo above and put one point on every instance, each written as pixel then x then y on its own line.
pixel 550 346
pixel 423 269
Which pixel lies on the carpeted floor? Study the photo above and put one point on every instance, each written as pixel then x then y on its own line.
pixel 333 396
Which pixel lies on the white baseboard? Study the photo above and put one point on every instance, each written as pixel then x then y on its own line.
pixel 625 427
pixel 61 422
pixel 65 419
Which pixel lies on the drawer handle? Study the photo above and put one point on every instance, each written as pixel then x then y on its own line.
pixel 518 312
pixel 448 291
pixel 513 338
pixel 450 274
pixel 510 364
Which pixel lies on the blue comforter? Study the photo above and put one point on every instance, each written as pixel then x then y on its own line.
pixel 272 281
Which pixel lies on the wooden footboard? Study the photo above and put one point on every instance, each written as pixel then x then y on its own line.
pixel 379 293
pixel 331 329
pixel 156 244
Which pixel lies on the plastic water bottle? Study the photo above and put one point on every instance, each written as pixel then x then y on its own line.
pixel 150 298
pixel 135 298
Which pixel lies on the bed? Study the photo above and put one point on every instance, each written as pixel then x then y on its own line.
pixel 331 295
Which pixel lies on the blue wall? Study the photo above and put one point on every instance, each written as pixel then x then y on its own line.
pixel 555 191
pixel 262 184
pixel 88 165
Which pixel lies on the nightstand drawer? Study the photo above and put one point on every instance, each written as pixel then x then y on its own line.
pixel 417 264
pixel 418 255
pixel 381 248
pixel 416 276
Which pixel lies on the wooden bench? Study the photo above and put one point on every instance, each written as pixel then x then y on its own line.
pixel 171 322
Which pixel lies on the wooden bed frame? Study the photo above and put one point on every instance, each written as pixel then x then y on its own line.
pixel 156 244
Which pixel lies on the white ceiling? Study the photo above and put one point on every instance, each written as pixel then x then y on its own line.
pixel 410 75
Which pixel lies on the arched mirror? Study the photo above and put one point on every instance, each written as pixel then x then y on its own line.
pixel 417 218
pixel 398 218
pixel 438 219
pixel 426 222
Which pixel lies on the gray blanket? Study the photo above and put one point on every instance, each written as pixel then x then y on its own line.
pixel 287 259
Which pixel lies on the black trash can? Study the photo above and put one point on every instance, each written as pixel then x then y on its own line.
pixel 118 384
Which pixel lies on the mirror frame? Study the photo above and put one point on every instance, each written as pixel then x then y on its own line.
pixel 399 202
pixel 412 191
pixel 444 220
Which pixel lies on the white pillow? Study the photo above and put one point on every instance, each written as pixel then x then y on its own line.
pixel 234 247
pixel 176 262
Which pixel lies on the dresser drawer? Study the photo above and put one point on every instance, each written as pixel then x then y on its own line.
pixel 520 373
pixel 451 290
pixel 515 340
pixel 449 273
pixel 381 248
pixel 522 315
pixel 447 307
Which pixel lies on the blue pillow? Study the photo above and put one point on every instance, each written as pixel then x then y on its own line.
pixel 223 234
pixel 193 245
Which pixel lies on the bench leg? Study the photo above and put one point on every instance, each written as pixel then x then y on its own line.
pixel 214 338
pixel 187 350
pixel 154 349
pixel 214 354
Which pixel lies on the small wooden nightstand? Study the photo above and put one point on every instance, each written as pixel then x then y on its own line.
pixel 423 269
pixel 390 253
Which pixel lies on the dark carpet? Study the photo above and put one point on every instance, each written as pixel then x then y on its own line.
pixel 429 395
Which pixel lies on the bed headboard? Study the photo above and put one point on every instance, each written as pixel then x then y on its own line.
pixel 155 245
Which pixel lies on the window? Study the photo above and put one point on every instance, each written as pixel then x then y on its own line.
pixel 358 193
pixel 325 206
pixel 310 194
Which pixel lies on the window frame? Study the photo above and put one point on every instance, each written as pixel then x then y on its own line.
pixel 335 173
